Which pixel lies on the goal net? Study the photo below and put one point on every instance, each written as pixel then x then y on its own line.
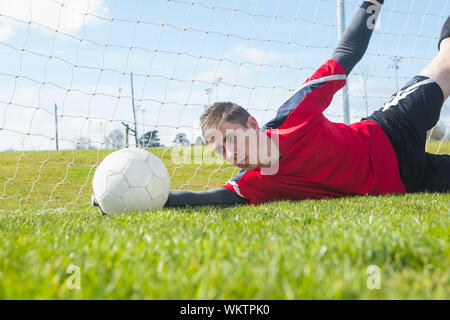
pixel 80 78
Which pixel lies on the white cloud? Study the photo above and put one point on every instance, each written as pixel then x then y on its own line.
pixel 68 18
pixel 257 56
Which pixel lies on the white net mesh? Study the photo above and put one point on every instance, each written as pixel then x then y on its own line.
pixel 71 62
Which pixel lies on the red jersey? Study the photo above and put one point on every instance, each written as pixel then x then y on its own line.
pixel 320 158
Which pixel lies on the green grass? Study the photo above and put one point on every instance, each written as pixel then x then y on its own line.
pixel 294 250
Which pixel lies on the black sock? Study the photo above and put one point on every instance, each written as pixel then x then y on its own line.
pixel 445 33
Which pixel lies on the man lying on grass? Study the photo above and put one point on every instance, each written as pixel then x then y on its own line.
pixel 315 158
pixel 300 154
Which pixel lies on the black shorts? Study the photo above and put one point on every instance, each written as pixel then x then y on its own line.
pixel 405 119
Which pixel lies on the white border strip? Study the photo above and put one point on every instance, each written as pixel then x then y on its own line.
pixel 323 79
pixel 236 188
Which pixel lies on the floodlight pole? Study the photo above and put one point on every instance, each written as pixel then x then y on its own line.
pixel 208 91
pixel 394 65
pixel 143 119
pixel 127 132
pixel 56 126
pixel 218 80
pixel 134 111
pixel 341 30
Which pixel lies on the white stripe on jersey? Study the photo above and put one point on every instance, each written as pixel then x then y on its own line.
pixel 319 80
pixel 402 94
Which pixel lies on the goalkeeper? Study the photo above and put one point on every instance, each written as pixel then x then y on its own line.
pixel 312 157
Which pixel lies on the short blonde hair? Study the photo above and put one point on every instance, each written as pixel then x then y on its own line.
pixel 221 112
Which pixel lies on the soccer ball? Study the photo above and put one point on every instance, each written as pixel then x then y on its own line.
pixel 130 179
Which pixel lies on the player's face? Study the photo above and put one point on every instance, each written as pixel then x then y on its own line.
pixel 238 144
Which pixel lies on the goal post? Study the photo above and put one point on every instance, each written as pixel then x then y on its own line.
pixel 79 78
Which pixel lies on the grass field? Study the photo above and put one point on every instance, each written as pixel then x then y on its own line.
pixel 299 250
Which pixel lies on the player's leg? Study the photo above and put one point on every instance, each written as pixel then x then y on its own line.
pixel 437 173
pixel 405 119
pixel 420 101
pixel 439 68
pixel 427 91
pixel 412 111
pixel 437 167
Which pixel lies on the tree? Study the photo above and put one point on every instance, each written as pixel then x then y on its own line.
pixel 115 139
pixel 181 139
pixel 84 143
pixel 150 139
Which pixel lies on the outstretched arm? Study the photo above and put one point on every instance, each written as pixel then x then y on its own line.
pixel 316 94
pixel 216 197
pixel 354 42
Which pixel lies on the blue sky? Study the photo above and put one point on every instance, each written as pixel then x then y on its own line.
pixel 176 50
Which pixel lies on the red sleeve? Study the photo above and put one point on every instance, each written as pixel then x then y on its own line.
pixel 312 98
pixel 319 89
pixel 246 186
pixel 258 188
